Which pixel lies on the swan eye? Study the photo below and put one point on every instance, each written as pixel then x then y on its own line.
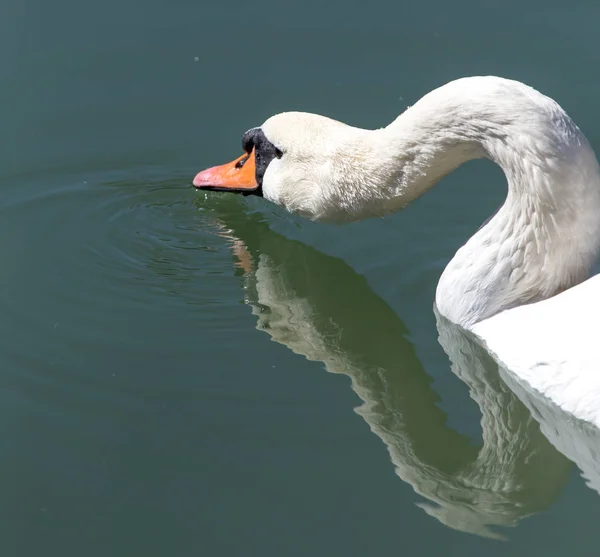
pixel 278 153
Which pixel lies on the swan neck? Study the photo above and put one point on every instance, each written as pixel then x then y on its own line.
pixel 546 236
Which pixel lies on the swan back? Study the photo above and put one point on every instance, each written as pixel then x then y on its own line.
pixel 552 345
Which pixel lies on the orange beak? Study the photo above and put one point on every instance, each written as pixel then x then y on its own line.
pixel 236 176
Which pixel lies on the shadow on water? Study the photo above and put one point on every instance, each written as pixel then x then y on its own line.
pixel 318 307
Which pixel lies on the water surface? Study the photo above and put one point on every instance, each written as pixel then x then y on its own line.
pixel 191 373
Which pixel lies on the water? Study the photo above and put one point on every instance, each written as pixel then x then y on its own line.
pixel 188 373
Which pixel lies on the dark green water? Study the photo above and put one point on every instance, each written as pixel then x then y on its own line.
pixel 145 408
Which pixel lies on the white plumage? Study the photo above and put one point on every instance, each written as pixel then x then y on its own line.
pixel 505 283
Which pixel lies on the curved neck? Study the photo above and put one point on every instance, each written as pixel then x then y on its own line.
pixel 546 236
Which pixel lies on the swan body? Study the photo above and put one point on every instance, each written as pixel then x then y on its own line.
pixel 552 346
pixel 544 240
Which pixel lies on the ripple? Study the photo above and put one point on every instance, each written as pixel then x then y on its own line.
pixel 106 264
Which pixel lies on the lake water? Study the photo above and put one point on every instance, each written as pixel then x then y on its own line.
pixel 199 374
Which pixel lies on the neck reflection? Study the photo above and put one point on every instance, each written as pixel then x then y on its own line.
pixel 319 308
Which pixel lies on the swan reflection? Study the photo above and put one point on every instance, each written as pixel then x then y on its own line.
pixel 318 307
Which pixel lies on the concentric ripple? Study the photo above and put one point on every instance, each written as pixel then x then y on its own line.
pixel 105 265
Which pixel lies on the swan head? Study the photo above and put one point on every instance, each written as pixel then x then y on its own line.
pixel 308 164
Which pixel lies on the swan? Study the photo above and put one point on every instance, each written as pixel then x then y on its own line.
pixel 521 284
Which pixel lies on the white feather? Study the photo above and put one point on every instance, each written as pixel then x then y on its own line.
pixel 543 241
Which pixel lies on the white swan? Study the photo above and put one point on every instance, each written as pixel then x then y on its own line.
pixel 505 283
